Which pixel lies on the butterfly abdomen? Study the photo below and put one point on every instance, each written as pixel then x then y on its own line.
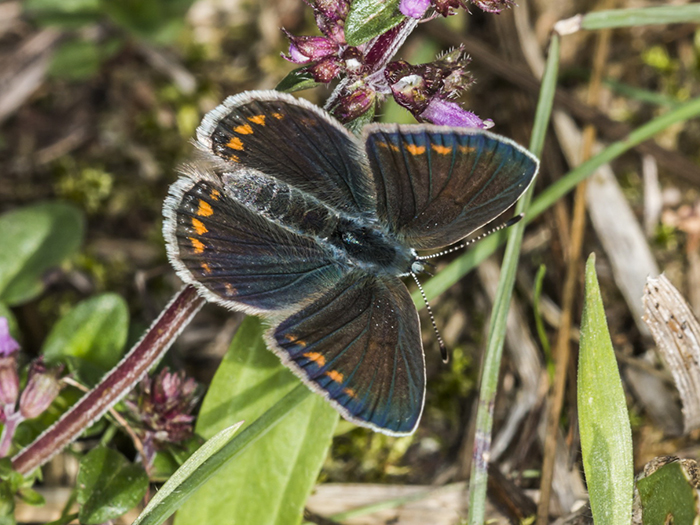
pixel 293 209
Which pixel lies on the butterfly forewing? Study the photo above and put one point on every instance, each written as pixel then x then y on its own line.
pixel 238 257
pixel 360 345
pixel 294 141
pixel 436 185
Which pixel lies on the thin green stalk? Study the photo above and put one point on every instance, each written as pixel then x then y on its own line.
pixel 667 14
pixel 497 329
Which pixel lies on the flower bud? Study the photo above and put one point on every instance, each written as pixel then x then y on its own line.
pixel 325 70
pixel 305 49
pixel 354 104
pixel 9 381
pixel 42 388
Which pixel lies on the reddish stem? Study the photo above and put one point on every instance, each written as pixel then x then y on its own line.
pixel 115 385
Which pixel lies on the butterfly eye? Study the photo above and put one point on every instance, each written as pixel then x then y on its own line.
pixel 417 267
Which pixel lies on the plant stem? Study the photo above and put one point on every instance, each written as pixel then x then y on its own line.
pixel 115 385
pixel 494 350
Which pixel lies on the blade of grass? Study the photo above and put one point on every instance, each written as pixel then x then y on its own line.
pixel 667 14
pixel 606 435
pixel 496 337
pixel 180 480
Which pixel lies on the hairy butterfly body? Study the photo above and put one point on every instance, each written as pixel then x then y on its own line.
pixel 299 221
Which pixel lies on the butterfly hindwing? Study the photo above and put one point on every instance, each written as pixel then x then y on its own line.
pixel 359 344
pixel 294 141
pixel 238 258
pixel 436 185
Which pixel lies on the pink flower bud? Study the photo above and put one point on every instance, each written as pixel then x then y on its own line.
pixel 305 49
pixel 9 381
pixel 42 388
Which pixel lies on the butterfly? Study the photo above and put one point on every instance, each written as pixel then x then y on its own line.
pixel 297 220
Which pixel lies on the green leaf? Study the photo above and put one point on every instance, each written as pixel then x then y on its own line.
pixel 296 81
pixel 668 492
pixel 180 480
pixel 66 14
pixel 108 485
pixel 269 483
pixel 157 21
pixel 370 18
pixel 34 239
pixel 91 337
pixel 606 436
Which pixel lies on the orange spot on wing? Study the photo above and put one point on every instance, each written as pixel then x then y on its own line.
pixel 335 376
pixel 235 143
pixel 350 392
pixel 257 119
pixel 205 267
pixel 392 147
pixel 230 290
pixel 234 158
pixel 466 149
pixel 245 129
pixel 316 358
pixel 415 150
pixel 204 209
pixel 278 116
pixel 215 194
pixel 441 150
pixel 199 226
pixel 197 245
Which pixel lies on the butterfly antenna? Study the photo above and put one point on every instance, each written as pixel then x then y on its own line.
pixel 443 348
pixel 510 222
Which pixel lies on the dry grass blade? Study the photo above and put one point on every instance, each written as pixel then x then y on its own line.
pixel 677 334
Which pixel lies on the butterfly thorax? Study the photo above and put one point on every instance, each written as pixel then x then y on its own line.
pixel 370 248
pixel 355 242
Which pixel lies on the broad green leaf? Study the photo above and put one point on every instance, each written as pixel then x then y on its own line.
pixel 108 485
pixel 269 483
pixel 296 81
pixel 606 436
pixel 91 337
pixel 35 239
pixel 370 18
pixel 668 492
pixel 180 480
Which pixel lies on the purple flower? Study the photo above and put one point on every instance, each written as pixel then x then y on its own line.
pixel 446 113
pixel 7 344
pixel 414 8
pixel 42 388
